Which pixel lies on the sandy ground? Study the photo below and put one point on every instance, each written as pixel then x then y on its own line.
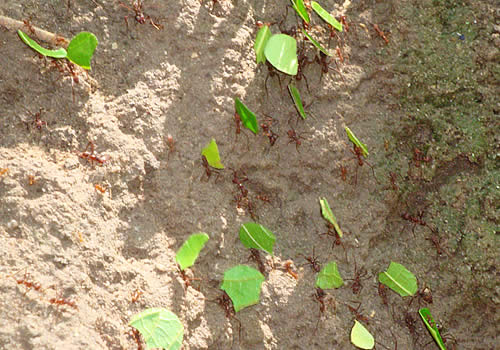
pixel 112 252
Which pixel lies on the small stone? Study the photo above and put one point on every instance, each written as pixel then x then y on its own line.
pixel 12 225
pixel 114 46
pixel 160 268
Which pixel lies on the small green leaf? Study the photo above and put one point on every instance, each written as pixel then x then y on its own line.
pixel 81 49
pixel 242 283
pixel 356 142
pixel 59 53
pixel 294 92
pixel 260 43
pixel 431 326
pixel 329 277
pixel 188 252
pixel 316 43
pixel 300 7
pixel 247 117
pixel 328 215
pixel 253 235
pixel 399 279
pixel 328 18
pixel 160 328
pixel 360 336
pixel 211 152
pixel 281 52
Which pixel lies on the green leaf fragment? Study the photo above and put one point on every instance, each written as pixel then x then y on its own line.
pixel 356 142
pixel 329 277
pixel 190 249
pixel 243 284
pixel 327 17
pixel 294 92
pixel 328 215
pixel 260 43
pixel 300 8
pixel 360 336
pixel 281 52
pixel 160 328
pixel 59 53
pixel 247 117
pixel 316 43
pixel 431 326
pixel 399 279
pixel 211 153
pixel 81 49
pixel 254 235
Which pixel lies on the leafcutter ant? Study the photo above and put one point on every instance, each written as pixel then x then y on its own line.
pixel 100 188
pixel 31 180
pixel 424 294
pixel 418 157
pixel 135 296
pixel 27 24
pixel 343 173
pixel 288 267
pixel 322 60
pixel 343 20
pixel 170 145
pixel 134 333
pixel 438 244
pixel 381 33
pixel 271 72
pixel 239 181
pixel 358 153
pixel 225 302
pixel 187 278
pixel 140 16
pixel 4 171
pixel 339 54
pixel 357 314
pixel 255 256
pixel 382 292
pixel 266 130
pixel 359 275
pixel 313 261
pixel 416 220
pixel 59 301
pixel 295 138
pixel 37 122
pixel 92 156
pixel 332 232
pixel 208 169
pixel 27 282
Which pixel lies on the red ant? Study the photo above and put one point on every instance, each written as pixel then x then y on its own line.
pixel 415 219
pixel 37 122
pixel 332 232
pixel 438 244
pixel 382 292
pixel 239 182
pixel 140 17
pixel 58 301
pixel 320 296
pixel 339 54
pixel 419 157
pixel 135 296
pixel 28 282
pixel 92 156
pixel 255 256
pixel 302 62
pixel 27 23
pixel 357 314
pixel 225 302
pixel 358 153
pixel 288 268
pixel 4 171
pixel 69 69
pixel 187 279
pixel 358 277
pixel 424 294
pixel 313 261
pixel 100 188
pixel 134 333
pixel 343 173
pixel 263 198
pixel 208 169
pixel 294 137
pixel 271 72
pixel 170 144
pixel 242 201
pixel 381 33
pixel 321 59
pixel 392 178
pixel 266 130
pixel 343 20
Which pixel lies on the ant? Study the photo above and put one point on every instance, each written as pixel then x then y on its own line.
pixel 208 170
pixel 339 54
pixel 31 180
pixel 343 173
pixel 171 145
pixel 225 302
pixel 424 294
pixel 28 282
pixel 242 201
pixel 381 33
pixel 294 137
pixel 382 292
pixel 419 157
pixel 358 153
pixel 320 296
pixel 37 122
pixel 4 171
pixel 69 69
pixel 140 17
pixel 255 256
pixel 392 178
pixel 438 244
pixel 343 20
pixel 92 156
pixel 359 275
pixel 239 182
pixel 302 62
pixel 263 198
pixel 415 219
pixel 58 301
pixel 266 130
pixel 135 296
pixel 321 59
pixel 271 72
pixel 27 24
pixel 288 267
pixel 100 188
pixel 187 279
pixel 410 322
pixel 134 333
pixel 357 314
pixel 313 261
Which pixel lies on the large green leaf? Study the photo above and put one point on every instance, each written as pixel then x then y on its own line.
pixel 281 52
pixel 399 279
pixel 260 43
pixel 242 283
pixel 211 152
pixel 81 49
pixel 360 336
pixel 328 18
pixel 294 92
pixel 356 142
pixel 160 328
pixel 316 43
pixel 188 252
pixel 328 215
pixel 254 235
pixel 300 7
pixel 247 117
pixel 59 53
pixel 431 326
pixel 329 277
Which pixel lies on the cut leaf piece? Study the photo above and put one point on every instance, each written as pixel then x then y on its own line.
pixel 242 283
pixel 327 17
pixel 399 279
pixel 329 277
pixel 281 52
pixel 188 252
pixel 300 8
pixel 294 92
pixel 431 326
pixel 260 43
pixel 328 215
pixel 59 53
pixel 254 235
pixel 316 43
pixel 160 328
pixel 247 117
pixel 81 49
pixel 360 336
pixel 211 152
pixel 356 142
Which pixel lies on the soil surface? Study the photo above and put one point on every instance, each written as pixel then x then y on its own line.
pixel 425 103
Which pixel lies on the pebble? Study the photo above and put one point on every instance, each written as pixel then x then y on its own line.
pixel 160 268
pixel 12 225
